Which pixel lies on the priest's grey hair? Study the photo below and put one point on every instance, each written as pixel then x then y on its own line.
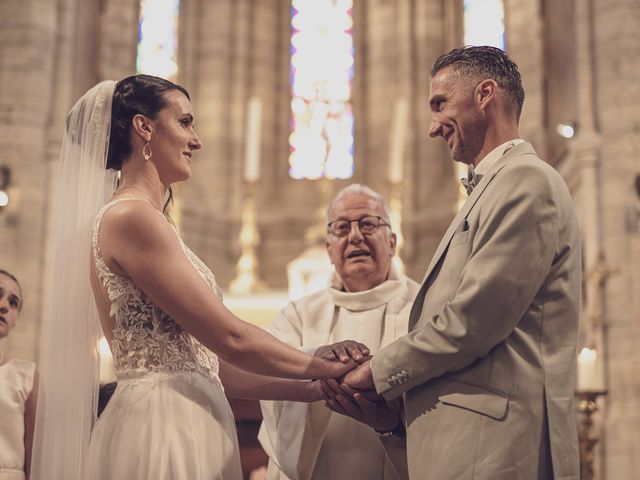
pixel 357 188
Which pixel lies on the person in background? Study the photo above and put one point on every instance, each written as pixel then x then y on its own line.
pixel 18 390
pixel 368 301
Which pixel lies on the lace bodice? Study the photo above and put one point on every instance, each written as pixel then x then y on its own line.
pixel 146 339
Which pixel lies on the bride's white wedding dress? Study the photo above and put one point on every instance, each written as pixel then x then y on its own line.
pixel 169 417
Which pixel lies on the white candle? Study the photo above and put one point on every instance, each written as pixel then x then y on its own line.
pixel 397 141
pixel 588 370
pixel 106 361
pixel 252 142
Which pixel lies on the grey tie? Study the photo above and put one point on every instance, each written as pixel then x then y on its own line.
pixel 471 181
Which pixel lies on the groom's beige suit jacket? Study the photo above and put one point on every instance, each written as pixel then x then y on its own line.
pixel 488 366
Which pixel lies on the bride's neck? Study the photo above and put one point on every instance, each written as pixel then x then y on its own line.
pixel 145 183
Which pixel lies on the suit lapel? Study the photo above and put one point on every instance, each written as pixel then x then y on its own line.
pixel 460 216
pixel 523 148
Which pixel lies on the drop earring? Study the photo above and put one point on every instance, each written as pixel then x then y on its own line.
pixel 146 155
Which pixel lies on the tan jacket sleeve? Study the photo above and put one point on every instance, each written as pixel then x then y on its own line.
pixel 492 276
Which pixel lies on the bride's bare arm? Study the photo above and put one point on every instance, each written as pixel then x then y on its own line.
pixel 242 384
pixel 136 240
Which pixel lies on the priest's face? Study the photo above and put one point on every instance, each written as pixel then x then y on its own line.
pixel 362 260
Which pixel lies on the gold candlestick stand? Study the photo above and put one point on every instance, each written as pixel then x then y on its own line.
pixel 247 279
pixel 587 406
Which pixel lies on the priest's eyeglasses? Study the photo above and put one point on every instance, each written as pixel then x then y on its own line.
pixel 367 225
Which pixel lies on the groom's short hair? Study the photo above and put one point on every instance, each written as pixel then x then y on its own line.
pixel 488 62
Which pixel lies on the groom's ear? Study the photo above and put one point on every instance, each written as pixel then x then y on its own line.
pixel 142 126
pixel 486 92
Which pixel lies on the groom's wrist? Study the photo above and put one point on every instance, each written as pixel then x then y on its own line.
pixel 397 431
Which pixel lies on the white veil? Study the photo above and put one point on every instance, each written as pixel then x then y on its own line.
pixel 69 361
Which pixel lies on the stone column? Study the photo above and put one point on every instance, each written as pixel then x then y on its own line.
pixel 396 45
pixel 118 38
pixel 65 88
pixel 218 74
pixel 525 45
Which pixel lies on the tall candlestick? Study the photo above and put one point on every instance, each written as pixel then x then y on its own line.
pixel 247 280
pixel 397 141
pixel 252 145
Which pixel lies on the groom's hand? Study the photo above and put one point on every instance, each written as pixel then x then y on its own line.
pixel 361 377
pixel 380 415
pixel 343 351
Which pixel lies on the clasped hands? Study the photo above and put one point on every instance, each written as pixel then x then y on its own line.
pixel 354 394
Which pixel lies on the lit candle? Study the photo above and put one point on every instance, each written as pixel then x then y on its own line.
pixel 588 370
pixel 398 134
pixel 252 145
pixel 106 361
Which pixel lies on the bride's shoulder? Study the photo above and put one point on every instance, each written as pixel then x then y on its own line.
pixel 134 219
pixel 130 210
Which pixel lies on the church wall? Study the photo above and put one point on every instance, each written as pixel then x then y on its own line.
pixel 559 76
pixel 239 54
pixel 209 205
pixel 525 44
pixel 51 53
pixel 117 38
pixel 617 57
pixel 398 43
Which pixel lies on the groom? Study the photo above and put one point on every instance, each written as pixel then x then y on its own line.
pixel 488 366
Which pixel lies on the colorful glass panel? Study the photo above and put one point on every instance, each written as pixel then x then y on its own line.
pixel 158 38
pixel 321 134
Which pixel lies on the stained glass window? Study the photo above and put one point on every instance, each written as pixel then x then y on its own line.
pixel 158 38
pixel 321 75
pixel 484 23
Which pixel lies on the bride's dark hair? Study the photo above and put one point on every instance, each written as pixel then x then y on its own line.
pixel 143 94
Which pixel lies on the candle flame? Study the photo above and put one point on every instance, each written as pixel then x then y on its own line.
pixel 588 354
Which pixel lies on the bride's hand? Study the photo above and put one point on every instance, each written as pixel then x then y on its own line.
pixel 341 369
pixel 361 377
pixel 313 391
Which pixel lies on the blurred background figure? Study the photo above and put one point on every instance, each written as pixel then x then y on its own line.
pixel 18 390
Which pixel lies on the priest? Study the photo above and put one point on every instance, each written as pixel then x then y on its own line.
pixel 367 301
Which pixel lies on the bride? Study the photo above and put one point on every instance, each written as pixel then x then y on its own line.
pixel 158 305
